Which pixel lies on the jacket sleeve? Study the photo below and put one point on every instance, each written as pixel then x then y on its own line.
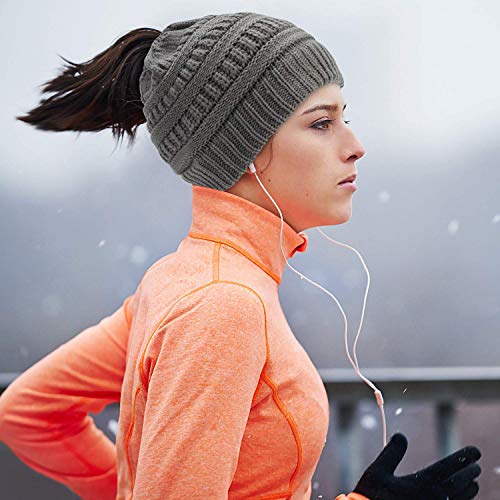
pixel 44 412
pixel 206 363
pixel 351 496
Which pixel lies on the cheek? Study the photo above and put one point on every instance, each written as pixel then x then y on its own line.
pixel 302 157
pixel 305 161
pixel 313 186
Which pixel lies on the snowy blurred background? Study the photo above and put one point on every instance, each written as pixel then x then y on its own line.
pixel 81 221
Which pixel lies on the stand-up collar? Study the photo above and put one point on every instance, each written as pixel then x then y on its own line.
pixel 252 230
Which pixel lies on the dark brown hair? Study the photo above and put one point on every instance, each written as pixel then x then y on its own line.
pixel 100 93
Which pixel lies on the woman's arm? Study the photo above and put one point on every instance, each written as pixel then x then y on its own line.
pixel 205 366
pixel 44 412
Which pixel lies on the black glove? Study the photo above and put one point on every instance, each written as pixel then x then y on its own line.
pixel 450 478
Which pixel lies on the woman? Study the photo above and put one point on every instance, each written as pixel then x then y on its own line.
pixel 217 397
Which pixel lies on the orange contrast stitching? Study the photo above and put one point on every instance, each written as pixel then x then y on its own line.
pixel 276 398
pixel 237 248
pixel 157 329
pixel 290 421
pixel 127 441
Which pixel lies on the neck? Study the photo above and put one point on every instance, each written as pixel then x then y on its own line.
pixel 249 188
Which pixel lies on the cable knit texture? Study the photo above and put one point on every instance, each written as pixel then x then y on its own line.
pixel 218 399
pixel 217 87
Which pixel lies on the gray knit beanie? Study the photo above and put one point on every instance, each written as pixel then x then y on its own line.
pixel 216 88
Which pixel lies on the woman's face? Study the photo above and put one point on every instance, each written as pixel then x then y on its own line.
pixel 303 162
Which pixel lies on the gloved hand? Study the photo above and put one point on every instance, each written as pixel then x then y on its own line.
pixel 450 478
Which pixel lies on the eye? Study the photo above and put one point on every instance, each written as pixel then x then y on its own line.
pixel 325 122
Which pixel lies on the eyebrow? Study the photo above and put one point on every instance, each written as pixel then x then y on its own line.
pixel 330 107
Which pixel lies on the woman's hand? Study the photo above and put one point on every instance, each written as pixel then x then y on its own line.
pixel 450 478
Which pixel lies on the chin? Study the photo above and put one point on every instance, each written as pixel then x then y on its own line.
pixel 345 219
pixel 341 215
pixel 334 214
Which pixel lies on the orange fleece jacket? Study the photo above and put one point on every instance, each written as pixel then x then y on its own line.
pixel 218 399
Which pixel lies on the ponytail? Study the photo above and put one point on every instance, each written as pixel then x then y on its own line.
pixel 100 93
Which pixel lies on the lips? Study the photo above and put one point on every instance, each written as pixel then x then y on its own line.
pixel 351 178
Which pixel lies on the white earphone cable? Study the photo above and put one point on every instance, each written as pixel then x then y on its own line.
pixel 377 392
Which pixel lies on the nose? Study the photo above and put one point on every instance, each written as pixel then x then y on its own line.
pixel 356 149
